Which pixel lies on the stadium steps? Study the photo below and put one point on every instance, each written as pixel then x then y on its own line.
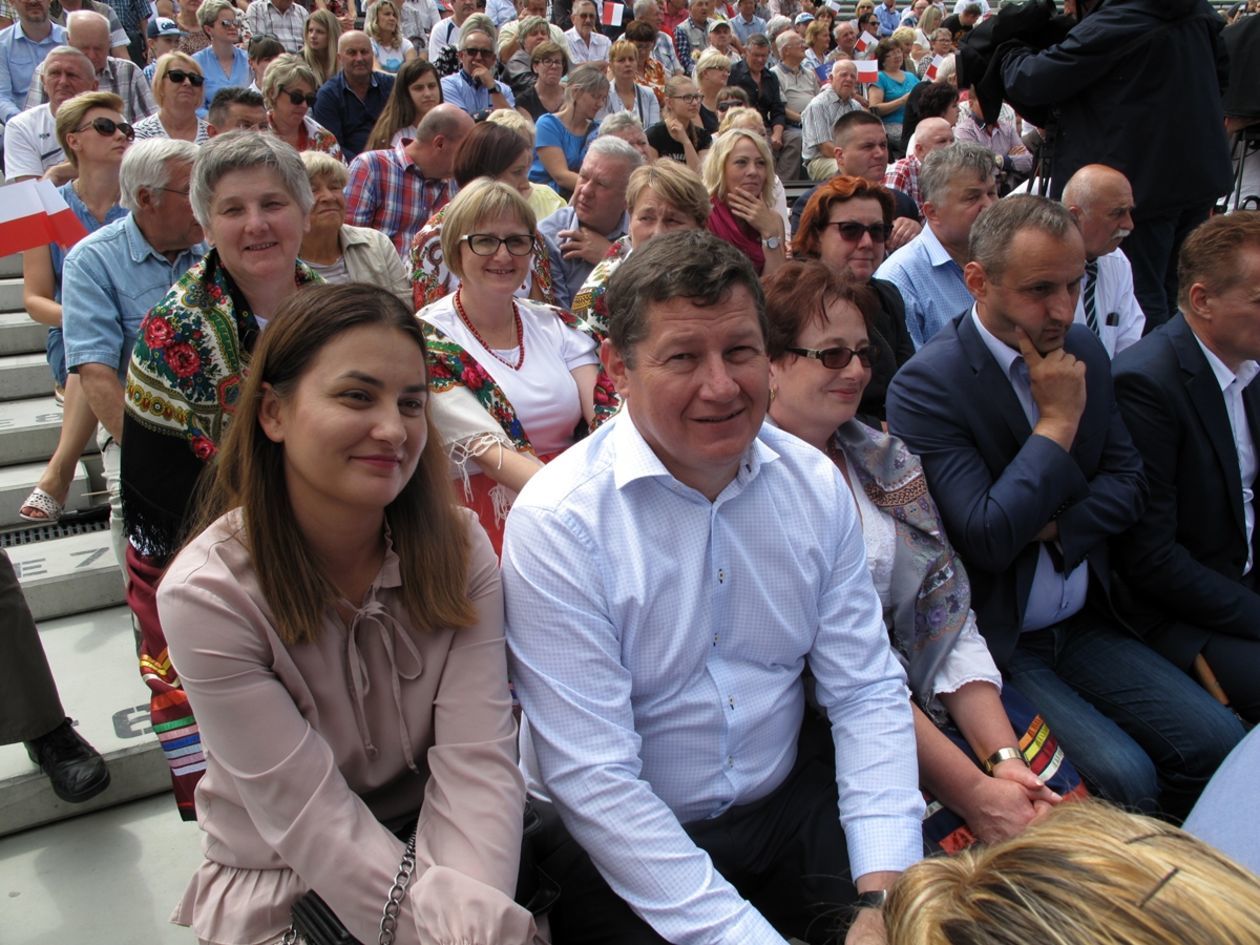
pixel 73 586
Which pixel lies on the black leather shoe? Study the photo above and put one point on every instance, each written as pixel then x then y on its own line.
pixel 76 769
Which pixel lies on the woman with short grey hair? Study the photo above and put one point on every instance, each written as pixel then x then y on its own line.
pixel 288 90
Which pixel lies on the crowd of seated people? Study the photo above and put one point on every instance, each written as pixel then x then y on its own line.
pixel 808 542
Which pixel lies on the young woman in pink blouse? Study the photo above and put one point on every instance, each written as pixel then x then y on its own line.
pixel 338 627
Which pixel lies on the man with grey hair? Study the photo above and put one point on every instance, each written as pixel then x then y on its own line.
pixel 667 582
pixel 1011 409
pixel 585 42
pixel 88 32
pixel 117 35
pixel 30 139
pixel 579 235
pixel 112 277
pixel 396 190
pixel 649 11
pixel 474 87
pixel 958 183
pixel 349 103
pixel 798 84
pixel 819 118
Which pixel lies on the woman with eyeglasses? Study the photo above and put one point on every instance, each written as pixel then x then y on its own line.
pixel 194 39
pixel 846 225
pixel 94 137
pixel 562 138
pixel 679 135
pixel 518 71
pixel 288 91
pixel 223 63
pixel 713 69
pixel 512 380
pixel 320 47
pixel 417 88
pixel 177 84
pixel 390 48
pixel 971 761
pixel 550 63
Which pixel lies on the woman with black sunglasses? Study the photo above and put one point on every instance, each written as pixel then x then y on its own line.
pixel 288 91
pixel 846 225
pixel 971 762
pixel 177 84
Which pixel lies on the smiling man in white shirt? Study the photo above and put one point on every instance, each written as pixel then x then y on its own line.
pixel 668 581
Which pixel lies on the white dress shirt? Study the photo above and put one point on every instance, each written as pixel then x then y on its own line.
pixel 1232 387
pixel 1120 318
pixel 657 642
pixel 593 50
pixel 1054 596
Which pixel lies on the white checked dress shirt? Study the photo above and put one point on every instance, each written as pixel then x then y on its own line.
pixel 657 641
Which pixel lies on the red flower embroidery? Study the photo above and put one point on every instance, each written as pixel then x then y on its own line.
pixel 158 333
pixel 203 448
pixel 183 359
pixel 474 375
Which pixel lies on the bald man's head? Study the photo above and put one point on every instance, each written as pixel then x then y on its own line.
pixel 354 52
pixel 1101 199
pixel 88 32
pixel 930 134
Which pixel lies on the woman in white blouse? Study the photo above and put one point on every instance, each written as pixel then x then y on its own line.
pixel 513 380
pixel 626 95
pixel 971 761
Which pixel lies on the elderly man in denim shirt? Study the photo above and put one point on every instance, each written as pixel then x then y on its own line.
pixel 114 276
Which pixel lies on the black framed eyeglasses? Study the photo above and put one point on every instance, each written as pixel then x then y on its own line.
pixel 851 231
pixel 838 358
pixel 487 244
pixel 482 52
pixel 724 106
pixel 297 98
pixel 107 127
pixel 178 76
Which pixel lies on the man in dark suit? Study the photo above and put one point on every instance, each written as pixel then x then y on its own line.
pixel 1010 407
pixel 1186 395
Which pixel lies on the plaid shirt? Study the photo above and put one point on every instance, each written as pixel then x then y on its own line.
pixel 904 176
pixel 131 13
pixel 388 192
pixel 690 41
pixel 289 27
pixel 120 76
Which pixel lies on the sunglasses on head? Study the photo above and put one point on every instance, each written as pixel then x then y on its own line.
pixel 838 358
pixel 297 98
pixel 179 75
pixel 107 128
pixel 851 231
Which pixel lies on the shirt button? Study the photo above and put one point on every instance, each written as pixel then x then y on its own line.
pixel 730 761
pixel 721 575
pixel 731 701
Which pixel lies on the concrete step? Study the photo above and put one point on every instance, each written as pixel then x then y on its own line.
pixel 93 658
pixel 23 376
pixel 71 575
pixel 29 430
pixel 16 483
pixel 11 294
pixel 21 334
pixel 11 266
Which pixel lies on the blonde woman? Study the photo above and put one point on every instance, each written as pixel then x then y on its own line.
pixel 288 91
pixel 320 49
pixel 390 48
pixel 679 135
pixel 713 69
pixel 177 84
pixel 739 176
pixel 627 95
pixel 562 138
pixel 750 119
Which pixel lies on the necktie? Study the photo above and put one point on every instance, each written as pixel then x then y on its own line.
pixel 1091 286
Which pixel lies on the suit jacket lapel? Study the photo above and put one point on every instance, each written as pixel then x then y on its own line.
pixel 1209 403
pixel 993 384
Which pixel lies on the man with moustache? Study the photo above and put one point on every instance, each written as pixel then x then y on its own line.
pixel 1010 407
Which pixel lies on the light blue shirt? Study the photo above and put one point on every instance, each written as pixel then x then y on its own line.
pixel 744 30
pixel 110 281
pixel 889 19
pixel 459 89
pixel 1054 596
pixel 931 284
pixel 501 11
pixel 216 78
pixel 657 641
pixel 569 274
pixel 19 58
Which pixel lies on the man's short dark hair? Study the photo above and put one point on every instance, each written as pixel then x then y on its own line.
pixel 227 97
pixel 846 123
pixel 692 264
pixel 995 229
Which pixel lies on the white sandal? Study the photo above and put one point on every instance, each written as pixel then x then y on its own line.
pixel 43 502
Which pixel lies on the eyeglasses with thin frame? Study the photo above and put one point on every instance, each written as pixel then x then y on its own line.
pixel 690 98
pixel 172 190
pixel 107 128
pixel 178 76
pixel 487 244
pixel 851 231
pixel 839 357
pixel 297 98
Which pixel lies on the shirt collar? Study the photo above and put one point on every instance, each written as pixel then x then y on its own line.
pixel 1003 353
pixel 937 254
pixel 141 249
pixel 1247 371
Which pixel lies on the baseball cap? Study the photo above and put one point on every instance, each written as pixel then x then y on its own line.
pixel 803 18
pixel 161 26
pixel 717 24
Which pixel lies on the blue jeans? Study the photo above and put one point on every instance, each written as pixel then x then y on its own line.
pixel 55 348
pixel 1140 731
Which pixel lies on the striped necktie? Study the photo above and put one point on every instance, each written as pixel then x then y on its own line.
pixel 1091 286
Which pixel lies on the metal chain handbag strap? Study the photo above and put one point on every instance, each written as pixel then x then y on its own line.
pixel 316 924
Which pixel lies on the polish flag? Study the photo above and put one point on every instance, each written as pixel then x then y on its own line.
pixel 865 41
pixel 613 13
pixel 32 213
pixel 868 70
pixel 930 74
